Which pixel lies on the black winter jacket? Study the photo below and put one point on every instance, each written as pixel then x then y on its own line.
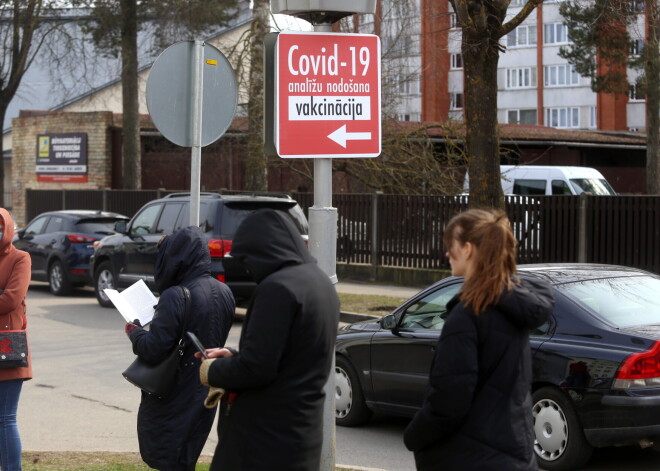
pixel 477 413
pixel 172 431
pixel 285 354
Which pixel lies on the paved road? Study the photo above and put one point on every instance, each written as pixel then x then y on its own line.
pixel 78 400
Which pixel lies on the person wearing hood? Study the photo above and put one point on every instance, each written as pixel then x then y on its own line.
pixel 271 415
pixel 477 412
pixel 15 273
pixel 172 431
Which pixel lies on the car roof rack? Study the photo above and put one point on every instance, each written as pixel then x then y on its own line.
pixel 206 194
pixel 273 194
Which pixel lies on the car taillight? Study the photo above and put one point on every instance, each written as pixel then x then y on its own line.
pixel 77 238
pixel 640 370
pixel 220 278
pixel 219 247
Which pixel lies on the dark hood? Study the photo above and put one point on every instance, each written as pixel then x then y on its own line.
pixel 183 255
pixel 528 304
pixel 8 234
pixel 266 241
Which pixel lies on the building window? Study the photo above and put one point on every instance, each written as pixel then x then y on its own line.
pixel 456 61
pixel 516 3
pixel 560 76
pixel 523 77
pixel 592 117
pixel 636 47
pixel 562 117
pixel 521 116
pixel 637 6
pixel 410 117
pixel 455 101
pixel 555 33
pixel 521 36
pixel 453 21
pixel 636 93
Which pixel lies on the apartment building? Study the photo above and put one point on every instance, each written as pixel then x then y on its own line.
pixel 535 85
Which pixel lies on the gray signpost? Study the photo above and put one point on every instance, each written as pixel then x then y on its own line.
pixel 192 97
pixel 322 216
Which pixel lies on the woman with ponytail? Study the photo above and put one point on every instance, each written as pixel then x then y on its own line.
pixel 477 413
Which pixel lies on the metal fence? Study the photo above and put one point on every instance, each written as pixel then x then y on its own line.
pixel 406 231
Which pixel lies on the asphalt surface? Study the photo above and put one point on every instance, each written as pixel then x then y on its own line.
pixel 74 402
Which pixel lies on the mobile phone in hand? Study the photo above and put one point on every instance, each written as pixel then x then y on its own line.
pixel 197 344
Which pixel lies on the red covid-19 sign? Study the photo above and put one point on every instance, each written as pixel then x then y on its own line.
pixel 327 88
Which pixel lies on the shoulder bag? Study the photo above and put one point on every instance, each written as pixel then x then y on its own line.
pixel 158 380
pixel 13 348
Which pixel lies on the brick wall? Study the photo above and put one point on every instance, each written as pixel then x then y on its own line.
pixel 25 129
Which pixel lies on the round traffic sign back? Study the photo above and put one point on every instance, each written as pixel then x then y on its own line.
pixel 170 94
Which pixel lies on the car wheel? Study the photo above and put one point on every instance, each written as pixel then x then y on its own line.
pixel 350 408
pixel 57 279
pixel 559 441
pixel 104 278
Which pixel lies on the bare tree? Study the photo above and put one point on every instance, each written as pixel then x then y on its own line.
pixel 482 25
pixel 25 25
pixel 256 165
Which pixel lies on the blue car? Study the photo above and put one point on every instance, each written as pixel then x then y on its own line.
pixel 60 244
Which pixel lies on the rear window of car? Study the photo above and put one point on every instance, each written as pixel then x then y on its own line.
pixel 97 226
pixel 622 302
pixel 234 214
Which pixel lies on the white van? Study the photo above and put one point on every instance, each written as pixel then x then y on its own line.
pixel 551 180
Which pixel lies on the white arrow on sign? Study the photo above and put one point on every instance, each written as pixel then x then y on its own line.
pixel 340 136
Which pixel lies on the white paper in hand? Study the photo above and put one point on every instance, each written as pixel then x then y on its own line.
pixel 135 302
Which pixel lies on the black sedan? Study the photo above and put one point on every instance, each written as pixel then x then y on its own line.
pixel 596 363
pixel 60 244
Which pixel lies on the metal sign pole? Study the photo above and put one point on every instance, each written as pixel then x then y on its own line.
pixel 323 245
pixel 196 152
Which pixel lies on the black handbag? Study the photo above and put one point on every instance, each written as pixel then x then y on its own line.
pixel 13 349
pixel 158 380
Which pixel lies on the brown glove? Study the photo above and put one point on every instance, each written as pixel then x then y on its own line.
pixel 204 371
pixel 214 396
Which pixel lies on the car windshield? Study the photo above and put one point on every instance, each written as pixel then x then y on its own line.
pixel 623 302
pixel 594 186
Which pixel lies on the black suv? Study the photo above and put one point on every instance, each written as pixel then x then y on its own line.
pixel 122 259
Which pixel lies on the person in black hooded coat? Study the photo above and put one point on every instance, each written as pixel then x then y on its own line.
pixel 172 431
pixel 275 380
pixel 477 412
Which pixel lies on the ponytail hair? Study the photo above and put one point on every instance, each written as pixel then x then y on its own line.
pixel 494 264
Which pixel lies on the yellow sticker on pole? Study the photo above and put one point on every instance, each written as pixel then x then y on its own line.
pixel 211 62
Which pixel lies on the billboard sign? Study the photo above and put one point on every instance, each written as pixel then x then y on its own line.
pixel 327 95
pixel 62 157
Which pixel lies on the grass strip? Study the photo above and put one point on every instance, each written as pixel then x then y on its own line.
pixel 369 304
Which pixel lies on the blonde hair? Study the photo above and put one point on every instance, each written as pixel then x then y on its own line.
pixel 494 264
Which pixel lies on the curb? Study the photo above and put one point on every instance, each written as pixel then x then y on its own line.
pixel 346 317
pixel 343 467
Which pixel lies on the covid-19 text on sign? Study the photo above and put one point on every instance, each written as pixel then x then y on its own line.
pixel 327 89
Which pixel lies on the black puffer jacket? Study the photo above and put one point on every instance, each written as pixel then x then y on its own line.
pixel 477 413
pixel 284 357
pixel 173 431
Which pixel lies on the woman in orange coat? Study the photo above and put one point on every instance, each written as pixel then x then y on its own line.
pixel 15 268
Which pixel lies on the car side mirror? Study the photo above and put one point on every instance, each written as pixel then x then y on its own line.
pixel 120 226
pixel 388 322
